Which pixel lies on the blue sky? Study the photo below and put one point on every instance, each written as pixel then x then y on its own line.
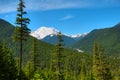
pixel 68 16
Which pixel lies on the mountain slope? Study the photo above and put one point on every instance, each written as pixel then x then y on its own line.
pixel 6 31
pixel 108 38
pixel 53 39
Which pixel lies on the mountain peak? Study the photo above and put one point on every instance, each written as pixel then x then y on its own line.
pixel 43 31
pixel 79 35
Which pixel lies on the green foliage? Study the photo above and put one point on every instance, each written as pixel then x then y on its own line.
pixel 8 68
pixel 107 37
pixel 100 67
pixel 29 70
pixel 34 53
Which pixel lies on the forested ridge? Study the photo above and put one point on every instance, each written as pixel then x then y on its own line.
pixel 23 57
pixel 109 38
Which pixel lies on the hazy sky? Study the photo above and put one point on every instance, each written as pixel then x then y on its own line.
pixel 68 16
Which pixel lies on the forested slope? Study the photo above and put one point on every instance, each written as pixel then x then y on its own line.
pixel 108 38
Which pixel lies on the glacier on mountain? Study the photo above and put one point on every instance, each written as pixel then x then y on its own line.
pixel 42 32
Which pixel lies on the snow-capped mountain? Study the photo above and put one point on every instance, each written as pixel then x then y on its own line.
pixel 78 36
pixel 49 35
pixel 42 32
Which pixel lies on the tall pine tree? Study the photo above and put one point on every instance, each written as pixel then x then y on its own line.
pixel 58 58
pixel 96 63
pixel 21 31
pixel 101 70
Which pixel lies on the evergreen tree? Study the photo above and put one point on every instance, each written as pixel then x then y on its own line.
pixel 66 70
pixel 13 67
pixel 51 74
pixel 34 54
pixel 100 67
pixel 104 67
pixel 8 70
pixel 59 57
pixel 21 31
pixel 31 65
pixel 82 71
pixel 29 70
pixel 96 62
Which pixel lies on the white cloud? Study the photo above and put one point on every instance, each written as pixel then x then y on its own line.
pixel 67 17
pixel 52 4
pixel 11 5
pixel 6 7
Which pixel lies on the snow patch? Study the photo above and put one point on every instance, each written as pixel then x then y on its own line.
pixel 79 35
pixel 79 50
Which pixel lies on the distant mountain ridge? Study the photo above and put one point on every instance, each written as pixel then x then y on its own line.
pixel 49 35
pixel 108 38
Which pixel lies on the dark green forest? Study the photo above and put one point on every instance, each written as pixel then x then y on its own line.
pixel 23 57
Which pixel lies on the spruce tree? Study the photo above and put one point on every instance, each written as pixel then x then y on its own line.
pixel 104 67
pixel 59 57
pixel 34 54
pixel 96 63
pixel 21 31
pixel 82 71
pixel 101 70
